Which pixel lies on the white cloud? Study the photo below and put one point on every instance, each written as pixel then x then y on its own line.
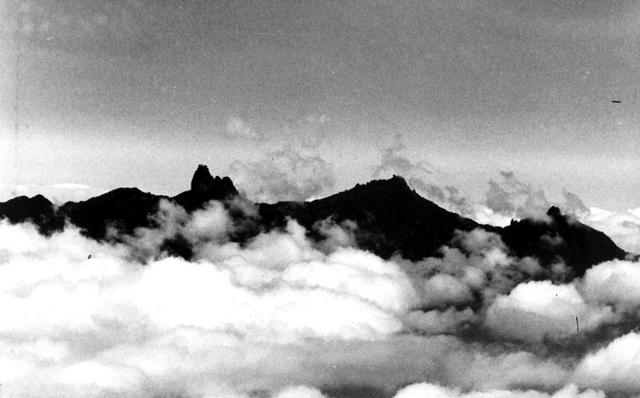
pixel 300 392
pixel 425 390
pixel 438 322
pixel 282 316
pixel 445 289
pixel 106 325
pixel 614 282
pixel 537 309
pixel 614 367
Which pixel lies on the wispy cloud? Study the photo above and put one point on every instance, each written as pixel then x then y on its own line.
pixel 284 174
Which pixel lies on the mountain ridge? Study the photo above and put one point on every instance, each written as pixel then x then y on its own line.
pixel 391 218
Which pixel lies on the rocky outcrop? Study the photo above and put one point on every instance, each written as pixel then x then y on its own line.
pixel 204 188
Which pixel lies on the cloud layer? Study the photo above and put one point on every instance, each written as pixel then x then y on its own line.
pixel 284 316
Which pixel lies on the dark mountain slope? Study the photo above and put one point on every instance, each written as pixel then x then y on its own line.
pixel 38 210
pixel 123 209
pixel 561 239
pixel 391 217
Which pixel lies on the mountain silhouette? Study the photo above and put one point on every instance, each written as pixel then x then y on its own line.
pixel 204 188
pixel 38 210
pixel 561 238
pixel 389 219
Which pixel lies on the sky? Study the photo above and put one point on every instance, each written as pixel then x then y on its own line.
pixel 496 109
pixel 96 95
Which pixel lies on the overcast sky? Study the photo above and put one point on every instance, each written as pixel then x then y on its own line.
pixel 122 93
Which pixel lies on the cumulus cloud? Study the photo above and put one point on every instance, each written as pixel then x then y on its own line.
pixel 539 309
pixel 436 391
pixel 284 174
pixel 282 316
pixel 300 392
pixel 445 289
pixel 475 267
pixel 615 283
pixel 82 318
pixel 436 322
pixel 614 367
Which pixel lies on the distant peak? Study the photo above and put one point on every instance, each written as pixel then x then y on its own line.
pixel 399 180
pixel 214 188
pixel 396 183
pixel 554 212
pixel 201 178
pixel 556 215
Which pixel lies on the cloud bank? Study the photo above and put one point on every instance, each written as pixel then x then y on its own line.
pixel 284 316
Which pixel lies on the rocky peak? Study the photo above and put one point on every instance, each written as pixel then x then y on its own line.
pixel 203 183
pixel 554 212
pixel 393 185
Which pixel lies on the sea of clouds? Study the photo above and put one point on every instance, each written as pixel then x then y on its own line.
pixel 282 316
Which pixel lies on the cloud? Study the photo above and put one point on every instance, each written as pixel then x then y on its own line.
pixel 394 161
pixel 300 392
pixel 615 283
pixel 436 391
pixel 539 309
pixel 476 266
pixel 281 315
pixel 284 174
pixel 622 227
pixel 510 196
pixel 513 197
pixel 417 173
pixel 107 325
pixel 506 198
pixel 436 322
pixel 308 130
pixel 613 367
pixel 238 128
pixel 445 289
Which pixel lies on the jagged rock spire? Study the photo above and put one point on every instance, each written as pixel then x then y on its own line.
pixel 214 188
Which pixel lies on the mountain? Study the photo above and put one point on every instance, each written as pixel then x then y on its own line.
pixel 561 238
pixel 38 210
pixel 122 210
pixel 204 188
pixel 389 217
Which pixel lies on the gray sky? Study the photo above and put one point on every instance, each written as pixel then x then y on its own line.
pixel 122 93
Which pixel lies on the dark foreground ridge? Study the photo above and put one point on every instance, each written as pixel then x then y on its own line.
pixel 390 219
